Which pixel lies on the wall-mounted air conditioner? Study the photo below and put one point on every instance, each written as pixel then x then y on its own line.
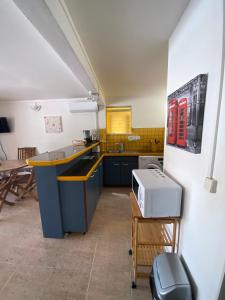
pixel 83 106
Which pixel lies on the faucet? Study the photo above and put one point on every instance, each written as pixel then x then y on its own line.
pixel 121 147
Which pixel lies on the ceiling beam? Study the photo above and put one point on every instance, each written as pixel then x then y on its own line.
pixel 42 18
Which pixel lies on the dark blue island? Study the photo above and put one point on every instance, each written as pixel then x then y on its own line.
pixel 69 183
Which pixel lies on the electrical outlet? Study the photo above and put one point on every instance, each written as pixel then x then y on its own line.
pixel 134 137
pixel 210 184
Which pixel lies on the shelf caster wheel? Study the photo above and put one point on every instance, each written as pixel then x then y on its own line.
pixel 133 285
pixel 130 252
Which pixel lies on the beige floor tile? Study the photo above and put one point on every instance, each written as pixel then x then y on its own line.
pixel 94 266
pixel 20 293
pixel 65 281
pixel 76 262
pixel 108 282
pixel 40 257
pixel 97 296
pixel 6 271
pixel 27 283
pixel 11 254
pixel 63 295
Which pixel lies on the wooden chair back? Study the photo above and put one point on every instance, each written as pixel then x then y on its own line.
pixel 26 152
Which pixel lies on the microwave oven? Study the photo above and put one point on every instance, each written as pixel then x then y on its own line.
pixel 157 195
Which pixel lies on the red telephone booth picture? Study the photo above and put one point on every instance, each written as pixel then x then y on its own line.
pixel 185 115
pixel 172 122
pixel 182 122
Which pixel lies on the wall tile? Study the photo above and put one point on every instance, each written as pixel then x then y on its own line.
pixel 151 140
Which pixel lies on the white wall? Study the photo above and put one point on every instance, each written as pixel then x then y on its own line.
pixel 146 112
pixel 194 48
pixel 28 127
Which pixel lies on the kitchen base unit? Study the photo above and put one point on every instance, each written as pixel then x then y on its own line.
pixel 149 237
pixel 69 182
pixel 79 201
pixel 118 170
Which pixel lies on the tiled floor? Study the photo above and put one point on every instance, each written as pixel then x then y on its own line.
pixel 95 266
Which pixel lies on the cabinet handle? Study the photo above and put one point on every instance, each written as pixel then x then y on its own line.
pixel 125 164
pixel 116 164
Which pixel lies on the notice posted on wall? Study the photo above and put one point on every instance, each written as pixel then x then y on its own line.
pixel 185 115
pixel 53 124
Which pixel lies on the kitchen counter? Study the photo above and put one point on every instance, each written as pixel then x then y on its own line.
pixel 132 153
pixel 69 153
pixel 69 182
pixel 87 164
pixel 83 169
pixel 60 156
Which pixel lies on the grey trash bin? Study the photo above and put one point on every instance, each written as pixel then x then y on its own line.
pixel 168 279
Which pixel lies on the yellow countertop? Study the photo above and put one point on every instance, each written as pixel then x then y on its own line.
pixel 60 156
pixel 101 156
pixel 132 153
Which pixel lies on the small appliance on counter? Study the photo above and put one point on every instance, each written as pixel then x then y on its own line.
pixel 157 195
pixel 95 135
pixel 168 278
pixel 78 142
pixel 87 136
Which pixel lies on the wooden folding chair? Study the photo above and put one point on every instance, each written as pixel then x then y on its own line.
pixel 23 184
pixel 5 185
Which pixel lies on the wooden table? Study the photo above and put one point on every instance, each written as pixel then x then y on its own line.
pixel 10 165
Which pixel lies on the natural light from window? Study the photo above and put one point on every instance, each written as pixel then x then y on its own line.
pixel 118 120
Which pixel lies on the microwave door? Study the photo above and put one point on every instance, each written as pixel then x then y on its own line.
pixel 135 187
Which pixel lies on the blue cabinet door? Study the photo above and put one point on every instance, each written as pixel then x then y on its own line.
pixel 126 172
pixel 112 172
pixel 92 194
pixel 100 177
pixel 118 170
pixel 72 206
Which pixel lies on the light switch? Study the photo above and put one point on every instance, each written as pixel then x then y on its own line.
pixel 210 184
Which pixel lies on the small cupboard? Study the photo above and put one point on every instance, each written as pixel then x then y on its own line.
pixel 79 201
pixel 118 170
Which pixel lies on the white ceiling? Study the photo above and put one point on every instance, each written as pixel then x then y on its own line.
pixel 29 67
pixel 126 41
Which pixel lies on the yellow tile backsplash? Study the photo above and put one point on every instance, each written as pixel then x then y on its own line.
pixel 151 140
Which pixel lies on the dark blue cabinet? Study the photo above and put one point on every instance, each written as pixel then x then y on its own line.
pixel 100 177
pixel 79 201
pixel 90 199
pixel 118 170
pixel 126 172
pixel 73 206
pixel 111 172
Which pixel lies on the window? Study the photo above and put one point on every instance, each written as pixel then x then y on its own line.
pixel 118 119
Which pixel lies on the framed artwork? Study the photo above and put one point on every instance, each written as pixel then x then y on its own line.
pixel 185 115
pixel 53 124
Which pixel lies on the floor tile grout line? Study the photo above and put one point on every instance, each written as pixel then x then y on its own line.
pixel 89 281
pixel 8 280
